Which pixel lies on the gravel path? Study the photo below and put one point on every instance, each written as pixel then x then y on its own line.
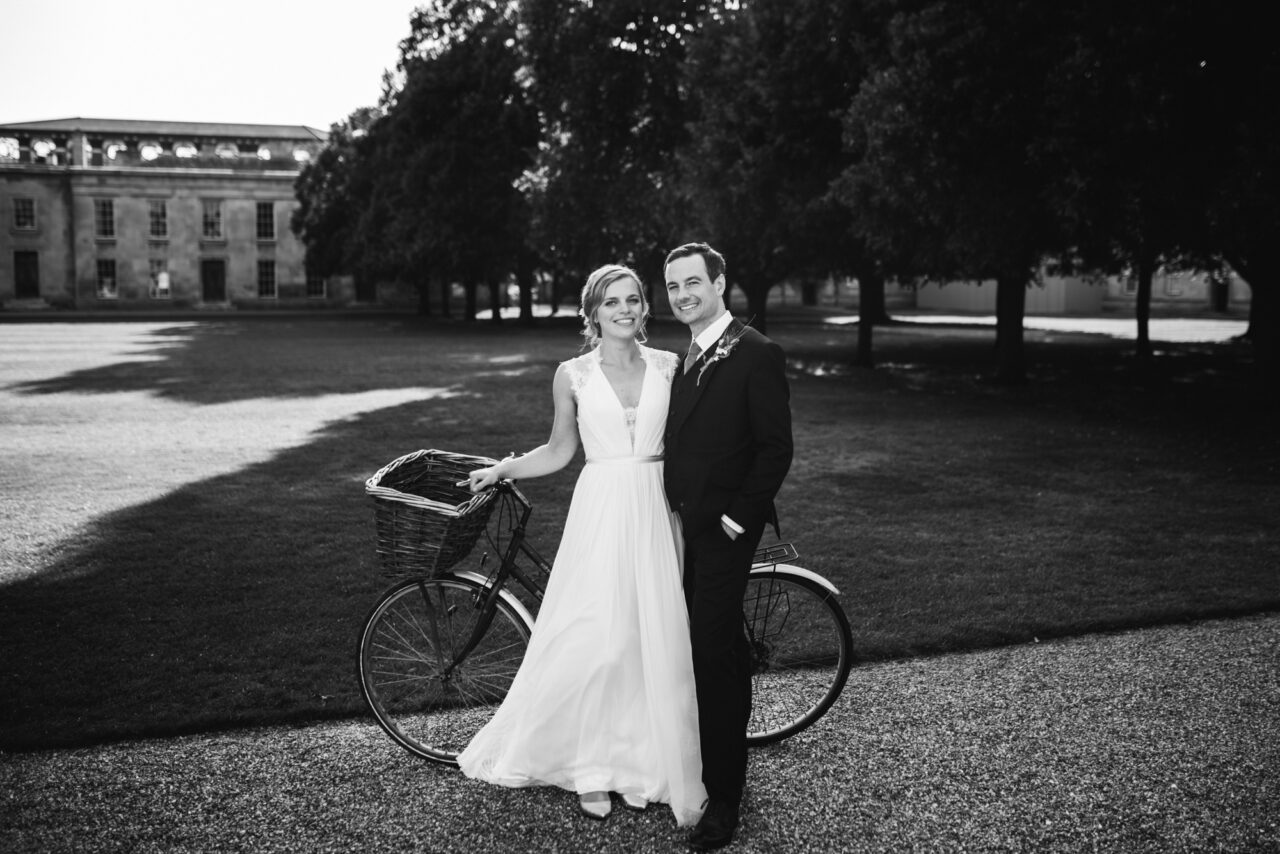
pixel 1156 740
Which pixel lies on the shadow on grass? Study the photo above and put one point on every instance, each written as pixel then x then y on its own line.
pixel 228 601
pixel 223 361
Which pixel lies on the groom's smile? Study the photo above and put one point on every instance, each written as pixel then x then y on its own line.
pixel 695 299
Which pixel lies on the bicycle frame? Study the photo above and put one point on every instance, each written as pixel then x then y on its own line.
pixel 495 584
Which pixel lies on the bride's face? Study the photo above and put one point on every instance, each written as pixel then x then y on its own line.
pixel 621 312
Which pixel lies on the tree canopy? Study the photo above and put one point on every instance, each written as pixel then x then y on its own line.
pixel 913 139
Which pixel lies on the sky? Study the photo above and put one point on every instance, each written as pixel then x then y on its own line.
pixel 308 62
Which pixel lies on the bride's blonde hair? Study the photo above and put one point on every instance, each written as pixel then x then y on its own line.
pixel 593 295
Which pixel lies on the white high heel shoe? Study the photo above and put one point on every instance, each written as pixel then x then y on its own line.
pixel 635 802
pixel 595 805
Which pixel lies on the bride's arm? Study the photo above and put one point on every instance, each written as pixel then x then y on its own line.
pixel 544 459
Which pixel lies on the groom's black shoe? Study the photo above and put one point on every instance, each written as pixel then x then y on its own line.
pixel 715 829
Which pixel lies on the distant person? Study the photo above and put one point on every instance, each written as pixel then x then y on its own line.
pixel 728 448
pixel 604 699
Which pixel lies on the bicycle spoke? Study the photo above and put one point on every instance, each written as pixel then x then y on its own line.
pixel 423 695
pixel 800 648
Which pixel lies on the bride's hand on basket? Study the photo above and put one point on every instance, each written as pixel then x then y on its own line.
pixel 482 479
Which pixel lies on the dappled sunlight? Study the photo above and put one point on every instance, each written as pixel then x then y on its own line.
pixel 138 446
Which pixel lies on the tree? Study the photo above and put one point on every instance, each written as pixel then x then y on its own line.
pixel 943 179
pixel 463 134
pixel 767 83
pixel 1238 93
pixel 329 189
pixel 1121 140
pixel 430 189
pixel 606 80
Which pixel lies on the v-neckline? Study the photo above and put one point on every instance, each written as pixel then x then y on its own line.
pixel 644 378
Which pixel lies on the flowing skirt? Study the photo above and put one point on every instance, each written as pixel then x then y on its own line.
pixel 604 700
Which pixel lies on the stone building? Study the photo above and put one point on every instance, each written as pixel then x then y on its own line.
pixel 102 214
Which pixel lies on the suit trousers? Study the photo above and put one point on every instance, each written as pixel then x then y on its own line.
pixel 715 580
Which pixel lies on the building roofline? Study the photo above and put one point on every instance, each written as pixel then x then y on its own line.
pixel 140 127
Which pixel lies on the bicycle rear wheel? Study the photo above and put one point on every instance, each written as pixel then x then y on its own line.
pixel 429 704
pixel 801 652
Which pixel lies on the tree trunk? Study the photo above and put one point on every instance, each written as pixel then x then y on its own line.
pixel 495 300
pixel 864 357
pixel 871 301
pixel 1011 306
pixel 757 305
pixel 870 313
pixel 1264 323
pixel 1142 307
pixel 808 292
pixel 471 286
pixel 446 297
pixel 526 280
pixel 1264 326
pixel 555 291
pixel 423 286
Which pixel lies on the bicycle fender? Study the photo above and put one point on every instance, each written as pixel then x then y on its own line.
pixel 516 604
pixel 788 569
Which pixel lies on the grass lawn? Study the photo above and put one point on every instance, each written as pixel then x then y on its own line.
pixel 186 542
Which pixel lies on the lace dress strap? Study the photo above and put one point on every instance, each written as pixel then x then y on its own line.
pixel 579 370
pixel 664 361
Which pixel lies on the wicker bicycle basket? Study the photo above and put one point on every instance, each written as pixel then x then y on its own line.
pixel 426 523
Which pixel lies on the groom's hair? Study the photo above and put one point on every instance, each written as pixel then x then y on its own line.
pixel 713 259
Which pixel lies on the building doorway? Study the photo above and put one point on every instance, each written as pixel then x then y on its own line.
pixel 26 275
pixel 213 280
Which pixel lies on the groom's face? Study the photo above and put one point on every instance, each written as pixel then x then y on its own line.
pixel 695 299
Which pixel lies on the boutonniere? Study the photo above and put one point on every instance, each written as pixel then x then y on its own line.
pixel 724 349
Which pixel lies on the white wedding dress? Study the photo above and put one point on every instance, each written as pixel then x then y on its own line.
pixel 604 700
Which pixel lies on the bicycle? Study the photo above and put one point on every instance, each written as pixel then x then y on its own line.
pixel 439 649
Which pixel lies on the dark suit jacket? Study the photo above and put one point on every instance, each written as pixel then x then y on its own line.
pixel 728 436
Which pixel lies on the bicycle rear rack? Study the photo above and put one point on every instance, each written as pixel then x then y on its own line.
pixel 776 553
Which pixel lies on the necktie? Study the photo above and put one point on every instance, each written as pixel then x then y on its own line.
pixel 694 352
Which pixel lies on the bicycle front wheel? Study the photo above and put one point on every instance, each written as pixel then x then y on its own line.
pixel 424 692
pixel 801 652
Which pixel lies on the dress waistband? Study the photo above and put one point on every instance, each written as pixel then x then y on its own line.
pixel 621 460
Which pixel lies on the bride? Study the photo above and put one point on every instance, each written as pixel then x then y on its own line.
pixel 604 700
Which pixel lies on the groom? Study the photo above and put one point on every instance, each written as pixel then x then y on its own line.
pixel 728 447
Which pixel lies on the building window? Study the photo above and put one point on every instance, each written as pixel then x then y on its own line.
pixel 149 151
pixel 264 153
pixel 115 149
pixel 301 155
pixel 267 279
pixel 24 214
pixel 159 218
pixel 211 219
pixel 104 218
pixel 226 152
pixel 9 148
pixel 316 286
pixel 159 278
pixel 185 150
pixel 107 278
pixel 266 221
